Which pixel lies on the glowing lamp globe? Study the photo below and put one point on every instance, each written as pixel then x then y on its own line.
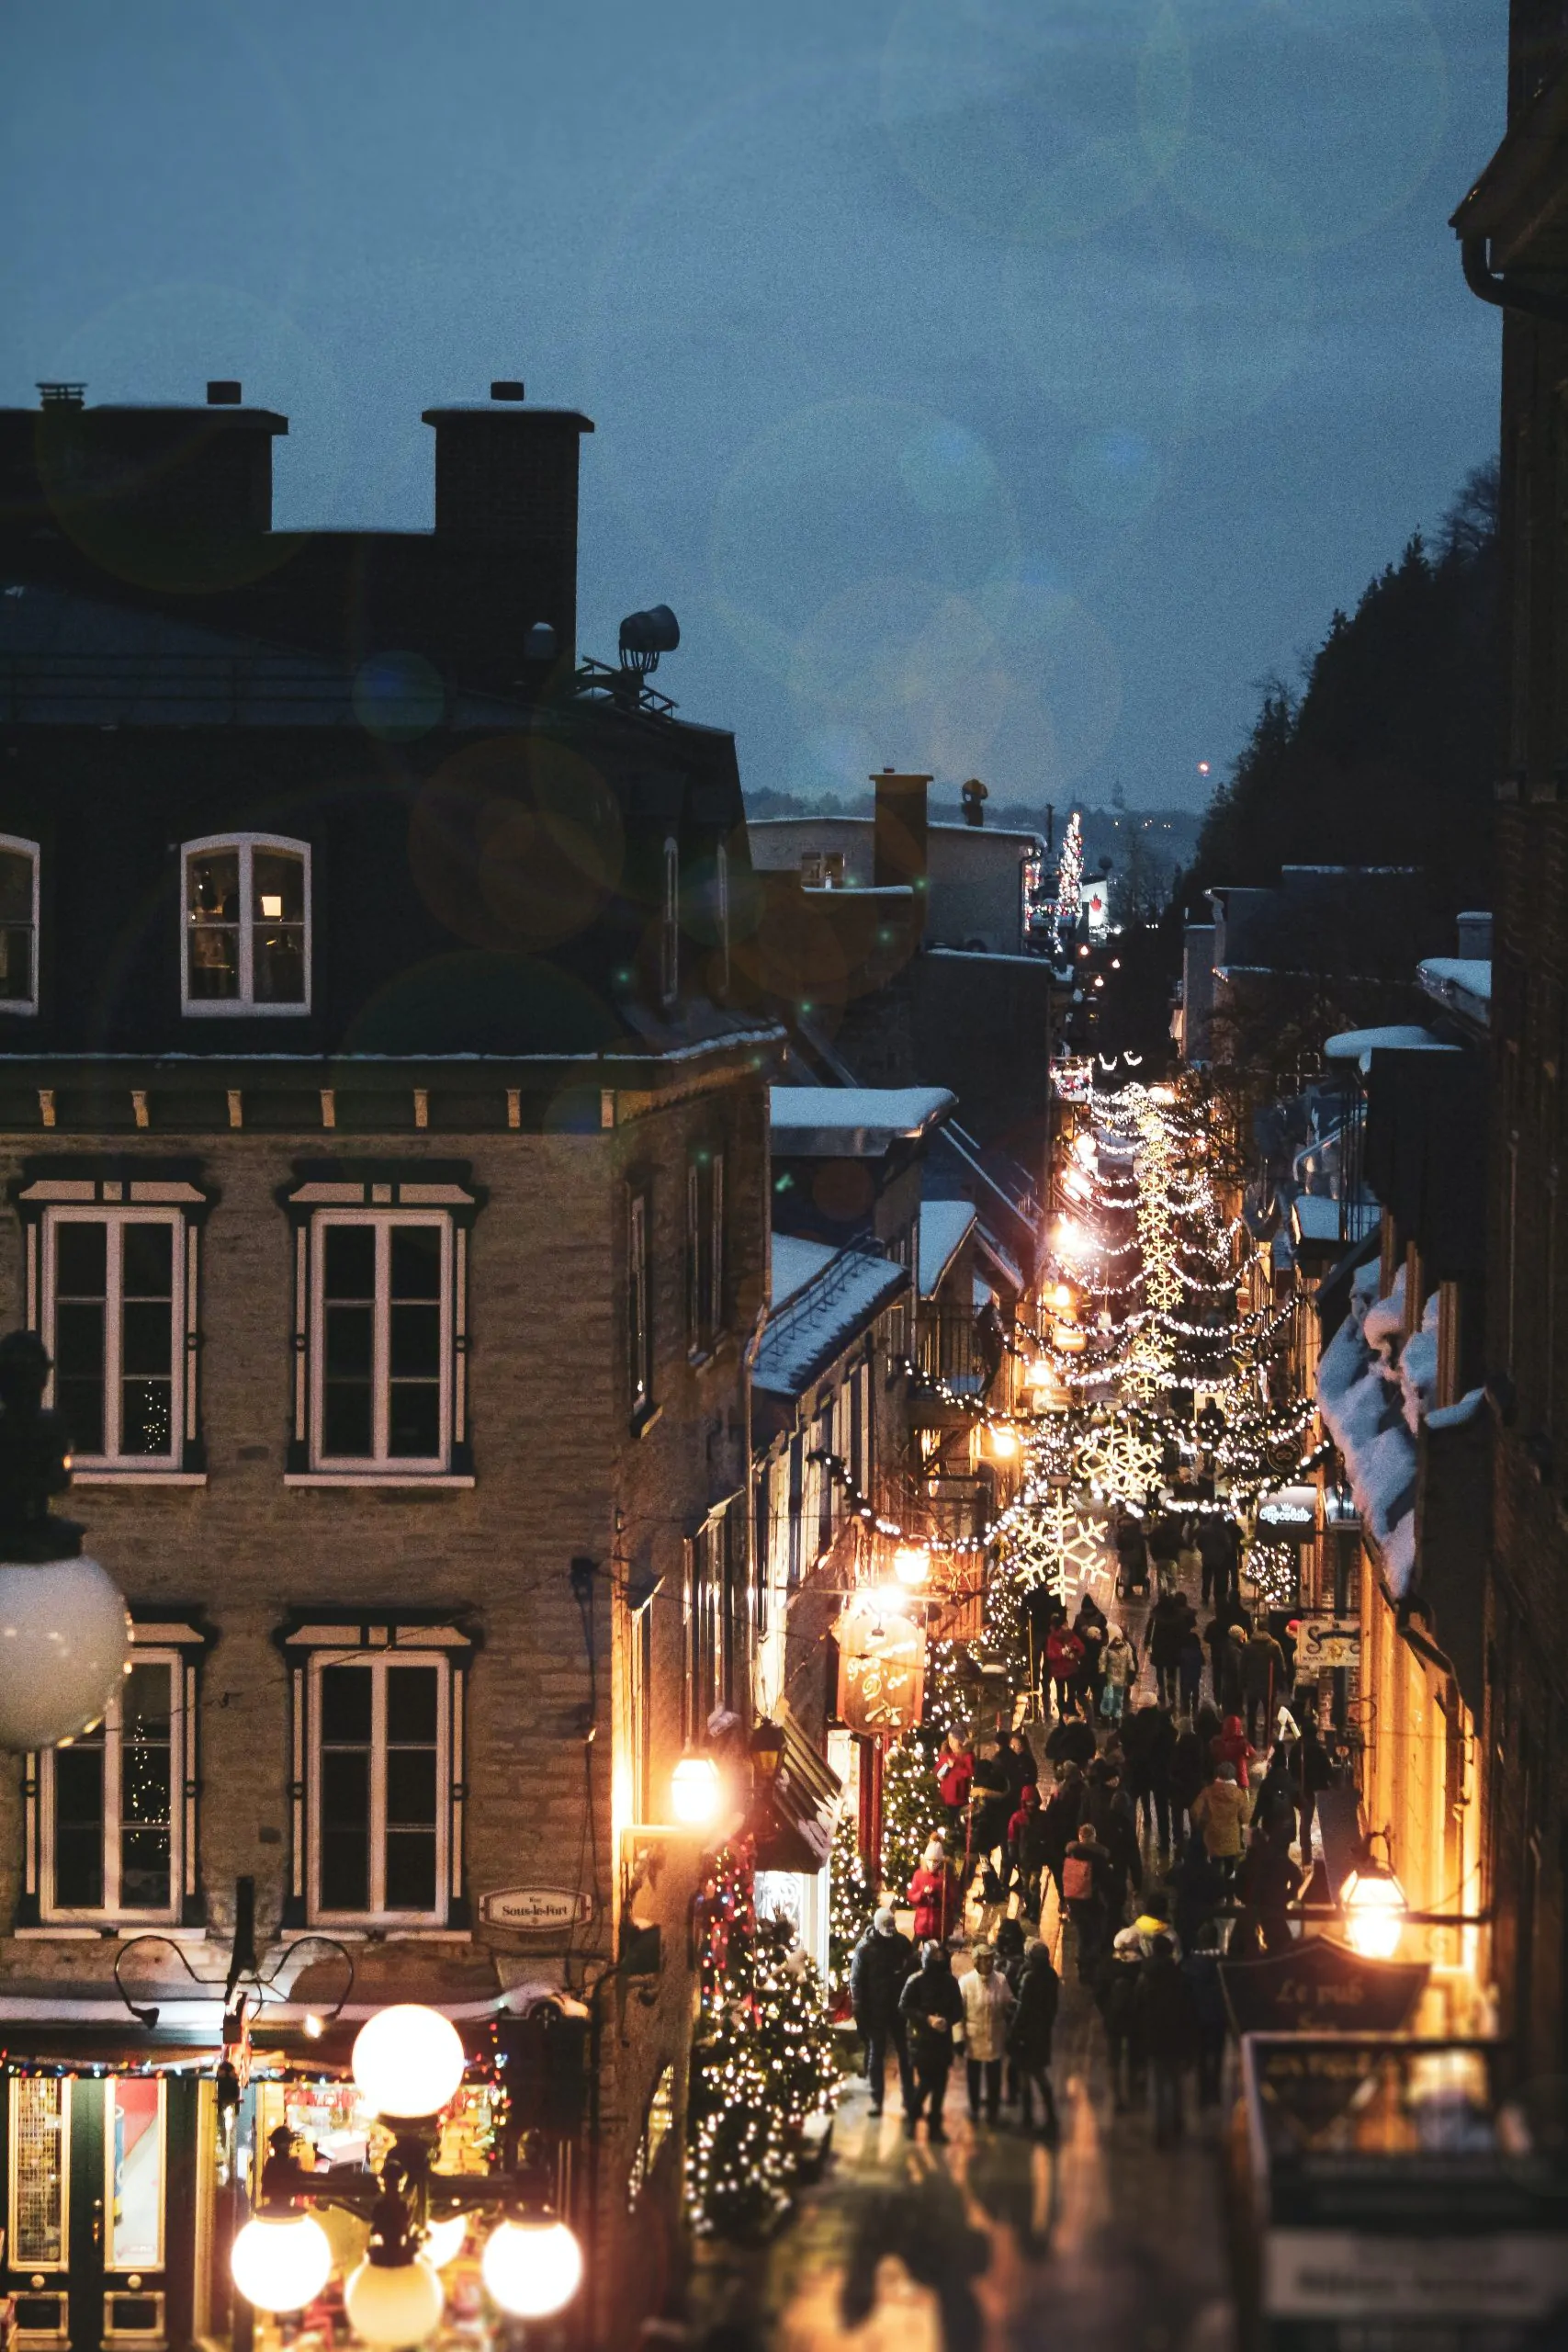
pixel 1004 1445
pixel 64 1638
pixel 1374 1911
pixel 282 2264
pixel 408 2061
pixel 910 1563
pixel 393 2304
pixel 531 2269
pixel 694 1791
pixel 443 2240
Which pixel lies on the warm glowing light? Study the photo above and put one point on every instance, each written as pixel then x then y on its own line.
pixel 1202 767
pixel 281 2263
pixel 694 1791
pixel 1162 1094
pixel 407 2060
pixel 1374 1911
pixel 314 2025
pixel 911 1564
pixel 1068 1339
pixel 531 2269
pixel 393 2304
pixel 1004 1445
pixel 64 1647
pixel 1116 962
pixel 1075 1186
pixel 443 2240
pixel 1084 1151
pixel 1039 1373
pixel 1062 1296
pixel 271 906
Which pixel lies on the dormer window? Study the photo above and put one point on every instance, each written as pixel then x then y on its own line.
pixel 247 925
pixel 18 925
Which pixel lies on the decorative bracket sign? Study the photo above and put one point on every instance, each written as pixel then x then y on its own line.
pixel 1327 1641
pixel 882 1672
pixel 535 1910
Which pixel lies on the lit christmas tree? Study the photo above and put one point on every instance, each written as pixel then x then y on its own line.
pixel 794 2031
pixel 912 1812
pixel 852 1899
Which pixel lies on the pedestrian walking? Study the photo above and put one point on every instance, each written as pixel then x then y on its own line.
pixel 988 1811
pixel 1189 1558
pixel 1107 1805
pixel 1092 1630
pixel 1168 2018
pixel 1119 1666
pixel 1063 1656
pixel 1268 1882
pixel 1029 2034
pixel 955 1770
pixel 1262 1673
pixel 1220 1816
pixel 1059 1821
pixel 932 2009
pixel 1148 1741
pixel 1200 1966
pixel 987 2006
pixel 1086 1890
pixel 1197 1884
pixel 1190 1765
pixel 1216 1546
pixel 1232 1747
pixel 1189 1670
pixel 879 1968
pixel 1028 1810
pixel 1131 1556
pixel 933 1892
pixel 1115 1992
pixel 1070 1740
pixel 1168 1632
pixel 1314 1774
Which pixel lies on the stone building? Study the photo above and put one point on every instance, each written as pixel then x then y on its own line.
pixel 385 1151
pixel 1515 249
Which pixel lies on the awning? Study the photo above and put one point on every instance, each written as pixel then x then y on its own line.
pixel 796 1814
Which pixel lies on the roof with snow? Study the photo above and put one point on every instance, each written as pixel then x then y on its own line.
pixel 944 1227
pixel 1359 1046
pixel 1315 1217
pixel 833 1297
pixel 1462 983
pixel 853 1122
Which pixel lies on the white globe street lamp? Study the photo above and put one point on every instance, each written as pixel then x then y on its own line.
pixel 65 1630
pixel 393 2304
pixel 532 2265
pixel 407 2060
pixel 281 2262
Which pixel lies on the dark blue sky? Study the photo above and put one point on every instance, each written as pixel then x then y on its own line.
pixel 1002 386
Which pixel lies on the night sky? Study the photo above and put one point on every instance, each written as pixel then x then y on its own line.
pixel 998 386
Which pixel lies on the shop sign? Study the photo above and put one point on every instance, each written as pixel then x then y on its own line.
pixel 1289 1507
pixel 1509 2277
pixel 1327 1641
pixel 1322 1987
pixel 535 1910
pixel 882 1672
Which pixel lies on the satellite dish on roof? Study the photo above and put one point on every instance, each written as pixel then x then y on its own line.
pixel 645 636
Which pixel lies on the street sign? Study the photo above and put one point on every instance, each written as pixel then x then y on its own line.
pixel 535 1910
pixel 882 1672
pixel 1327 1641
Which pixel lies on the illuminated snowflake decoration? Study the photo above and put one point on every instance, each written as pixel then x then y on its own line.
pixel 1119 1462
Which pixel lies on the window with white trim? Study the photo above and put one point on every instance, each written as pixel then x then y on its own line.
pixel 245 924
pixel 377 1788
pixel 18 925
pixel 109 1818
pixel 380 1325
pixel 114 1322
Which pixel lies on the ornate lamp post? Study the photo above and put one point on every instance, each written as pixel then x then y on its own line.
pixel 64 1631
pixel 408 2061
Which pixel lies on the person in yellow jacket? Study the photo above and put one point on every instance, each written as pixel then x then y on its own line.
pixel 1219 1814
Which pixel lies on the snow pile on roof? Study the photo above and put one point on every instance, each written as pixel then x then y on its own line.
pixel 1359 1046
pixel 1418 1367
pixel 1319 1218
pixel 821 1316
pixel 1457 976
pixel 1454 1417
pixel 796 1263
pixel 1359 1396
pixel 852 1120
pixel 944 1227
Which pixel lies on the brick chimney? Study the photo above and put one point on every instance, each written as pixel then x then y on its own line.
pixel 506 514
pixel 899 840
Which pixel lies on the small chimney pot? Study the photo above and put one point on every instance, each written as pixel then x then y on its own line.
pixel 507 387
pixel 224 391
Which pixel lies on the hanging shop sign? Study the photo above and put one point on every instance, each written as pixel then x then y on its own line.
pixel 535 1910
pixel 1327 1641
pixel 1323 1987
pixel 1289 1507
pixel 882 1672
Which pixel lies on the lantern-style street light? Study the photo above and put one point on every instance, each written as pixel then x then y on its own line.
pixel 408 2061
pixel 64 1631
pixel 1374 1905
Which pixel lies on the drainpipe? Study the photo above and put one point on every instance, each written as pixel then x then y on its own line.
pixel 1507 293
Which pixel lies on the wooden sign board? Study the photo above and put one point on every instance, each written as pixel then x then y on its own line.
pixel 882 1672
pixel 1327 1641
pixel 535 1910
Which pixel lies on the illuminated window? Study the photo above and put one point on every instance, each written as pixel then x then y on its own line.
pixel 246 922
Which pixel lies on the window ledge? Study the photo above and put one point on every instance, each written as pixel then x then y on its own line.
pixel 234 1008
pixel 138 1477
pixel 406 1479
pixel 389 1934
pixel 646 1420
pixel 75 1932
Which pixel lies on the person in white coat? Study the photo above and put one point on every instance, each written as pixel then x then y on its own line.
pixel 987 2005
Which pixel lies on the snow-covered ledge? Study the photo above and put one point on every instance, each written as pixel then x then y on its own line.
pixel 1374 1396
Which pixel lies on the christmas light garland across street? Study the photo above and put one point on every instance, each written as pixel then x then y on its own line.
pixel 408 2063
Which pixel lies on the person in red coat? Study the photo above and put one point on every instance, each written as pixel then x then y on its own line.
pixel 933 1893
pixel 955 1770
pixel 1064 1662
pixel 1232 1747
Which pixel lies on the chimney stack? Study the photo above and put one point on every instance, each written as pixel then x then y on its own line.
pixel 899 840
pixel 506 514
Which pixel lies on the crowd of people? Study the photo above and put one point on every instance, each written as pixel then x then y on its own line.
pixel 1169 1824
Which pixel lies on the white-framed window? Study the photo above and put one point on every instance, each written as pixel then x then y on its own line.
pixel 670 926
pixel 381 1333
pixel 377 1791
pixel 112 1818
pixel 109 1827
pixel 245 924
pixel 18 925
pixel 116 1285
